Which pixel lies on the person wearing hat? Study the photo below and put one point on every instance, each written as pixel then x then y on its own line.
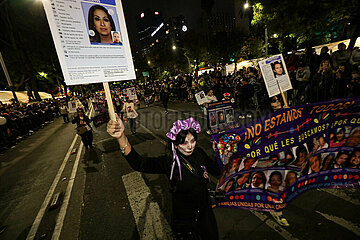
pixel 83 127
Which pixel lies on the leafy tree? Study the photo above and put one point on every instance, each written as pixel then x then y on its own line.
pixel 194 46
pixel 26 43
pixel 163 58
pixel 308 22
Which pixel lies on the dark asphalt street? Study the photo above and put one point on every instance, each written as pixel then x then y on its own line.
pixel 106 199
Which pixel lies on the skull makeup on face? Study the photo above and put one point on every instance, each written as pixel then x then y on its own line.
pixel 188 146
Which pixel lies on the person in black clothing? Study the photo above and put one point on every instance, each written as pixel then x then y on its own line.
pixel 82 120
pixel 187 167
pixel 164 95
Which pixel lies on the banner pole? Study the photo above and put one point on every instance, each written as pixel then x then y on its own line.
pixel 109 101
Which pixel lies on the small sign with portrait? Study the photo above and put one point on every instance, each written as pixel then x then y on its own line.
pixel 200 97
pixel 275 75
pixel 72 106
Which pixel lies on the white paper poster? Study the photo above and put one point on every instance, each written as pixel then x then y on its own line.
pixel 72 106
pixel 131 93
pixel 275 75
pixel 91 40
pixel 200 97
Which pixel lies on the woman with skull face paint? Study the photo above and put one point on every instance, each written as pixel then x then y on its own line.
pixel 187 167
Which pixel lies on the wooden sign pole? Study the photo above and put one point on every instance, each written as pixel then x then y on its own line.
pixel 109 101
pixel 283 95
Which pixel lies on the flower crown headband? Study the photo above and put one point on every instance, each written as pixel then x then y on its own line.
pixel 174 131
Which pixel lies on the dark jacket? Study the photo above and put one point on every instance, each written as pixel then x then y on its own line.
pixel 77 120
pixel 190 196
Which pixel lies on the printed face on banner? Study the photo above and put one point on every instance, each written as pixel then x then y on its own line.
pixel 212 119
pixel 220 117
pixel 283 155
pixel 229 113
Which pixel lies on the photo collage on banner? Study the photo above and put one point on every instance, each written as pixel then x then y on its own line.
pixel 268 164
pixel 221 116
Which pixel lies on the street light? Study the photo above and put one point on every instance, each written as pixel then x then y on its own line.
pixel 174 47
pixel 149 62
pixel 246 5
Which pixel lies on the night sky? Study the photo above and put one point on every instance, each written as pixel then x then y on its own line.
pixel 191 9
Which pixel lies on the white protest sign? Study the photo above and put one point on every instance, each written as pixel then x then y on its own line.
pixel 200 97
pixel 131 93
pixel 91 40
pixel 275 75
pixel 72 106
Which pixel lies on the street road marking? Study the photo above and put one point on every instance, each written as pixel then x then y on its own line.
pixel 47 199
pixel 275 226
pixel 172 110
pixel 150 221
pixel 39 216
pixel 341 194
pixel 63 209
pixel 342 222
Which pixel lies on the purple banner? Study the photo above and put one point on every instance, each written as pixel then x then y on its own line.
pixel 268 163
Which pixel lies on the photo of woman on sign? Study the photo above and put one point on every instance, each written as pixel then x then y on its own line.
pixel 100 25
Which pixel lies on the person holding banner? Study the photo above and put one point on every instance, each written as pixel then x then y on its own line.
pixel 100 25
pixel 187 167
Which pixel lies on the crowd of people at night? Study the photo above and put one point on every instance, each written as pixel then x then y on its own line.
pixel 314 78
pixel 23 119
